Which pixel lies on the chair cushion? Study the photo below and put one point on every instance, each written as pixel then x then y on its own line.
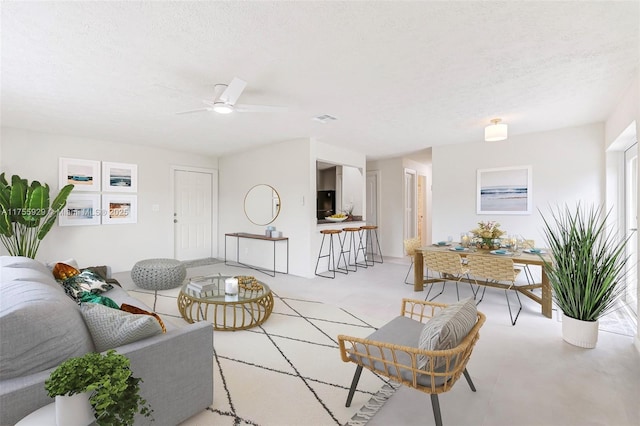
pixel 402 331
pixel 446 330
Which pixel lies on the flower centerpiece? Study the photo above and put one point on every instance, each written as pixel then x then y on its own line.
pixel 486 233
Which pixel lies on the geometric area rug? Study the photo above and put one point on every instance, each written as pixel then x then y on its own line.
pixel 288 371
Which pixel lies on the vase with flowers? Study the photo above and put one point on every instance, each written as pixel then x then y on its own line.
pixel 486 235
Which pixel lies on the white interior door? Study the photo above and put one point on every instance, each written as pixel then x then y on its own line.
pixel 194 213
pixel 410 211
pixel 372 198
pixel 631 219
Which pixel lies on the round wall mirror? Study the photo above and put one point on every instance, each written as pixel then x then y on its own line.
pixel 262 204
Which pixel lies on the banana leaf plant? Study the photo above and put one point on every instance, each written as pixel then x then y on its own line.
pixel 26 214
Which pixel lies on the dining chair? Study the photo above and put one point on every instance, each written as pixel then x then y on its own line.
pixel 495 269
pixel 527 244
pixel 410 247
pixel 426 348
pixel 449 266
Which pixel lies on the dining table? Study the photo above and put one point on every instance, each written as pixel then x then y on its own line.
pixel 519 257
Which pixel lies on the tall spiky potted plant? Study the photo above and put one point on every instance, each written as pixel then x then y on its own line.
pixel 26 214
pixel 586 271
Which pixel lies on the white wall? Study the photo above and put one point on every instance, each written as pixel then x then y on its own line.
pixel 567 165
pixel 617 138
pixel 391 215
pixel 287 167
pixel 34 156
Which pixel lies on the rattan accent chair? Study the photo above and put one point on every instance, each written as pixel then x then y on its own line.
pixel 449 266
pixel 410 247
pixel 398 355
pixel 496 269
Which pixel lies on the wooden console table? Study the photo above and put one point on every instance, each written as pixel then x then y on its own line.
pixel 241 235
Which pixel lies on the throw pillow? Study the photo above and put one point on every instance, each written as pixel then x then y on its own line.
pixel 86 296
pixel 446 330
pixel 111 328
pixel 71 262
pixel 102 271
pixel 62 271
pixel 135 310
pixel 85 281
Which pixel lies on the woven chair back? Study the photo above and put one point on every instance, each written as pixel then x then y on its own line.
pixel 494 268
pixel 445 262
pixel 411 245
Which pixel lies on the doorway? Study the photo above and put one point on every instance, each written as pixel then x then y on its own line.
pixel 631 226
pixel 194 214
pixel 410 202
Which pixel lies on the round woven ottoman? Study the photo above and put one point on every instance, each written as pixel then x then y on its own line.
pixel 158 274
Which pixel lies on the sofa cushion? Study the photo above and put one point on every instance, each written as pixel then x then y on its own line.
pixel 43 325
pixel 446 330
pixel 111 328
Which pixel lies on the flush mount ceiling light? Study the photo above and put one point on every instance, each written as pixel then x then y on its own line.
pixel 495 131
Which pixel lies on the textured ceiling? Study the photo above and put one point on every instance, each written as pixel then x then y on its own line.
pixel 399 76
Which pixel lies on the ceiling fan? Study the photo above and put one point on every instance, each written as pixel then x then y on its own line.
pixel 225 97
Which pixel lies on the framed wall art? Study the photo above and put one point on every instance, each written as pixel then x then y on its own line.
pixel 81 209
pixel 119 209
pixel 505 190
pixel 119 177
pixel 84 175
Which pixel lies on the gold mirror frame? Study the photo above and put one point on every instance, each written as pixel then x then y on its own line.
pixel 262 204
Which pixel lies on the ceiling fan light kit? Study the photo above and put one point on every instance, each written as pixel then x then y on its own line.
pixel 225 97
pixel 222 108
pixel 496 131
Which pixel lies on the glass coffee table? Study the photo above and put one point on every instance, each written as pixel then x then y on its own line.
pixel 249 308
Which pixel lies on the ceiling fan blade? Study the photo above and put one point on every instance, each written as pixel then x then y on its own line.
pixel 194 110
pixel 259 108
pixel 233 91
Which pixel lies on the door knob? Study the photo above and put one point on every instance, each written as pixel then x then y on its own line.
pixel 175 220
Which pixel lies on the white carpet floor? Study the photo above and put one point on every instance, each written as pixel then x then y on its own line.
pixel 524 374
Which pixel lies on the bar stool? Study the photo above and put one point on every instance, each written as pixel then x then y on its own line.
pixel 330 254
pixel 371 231
pixel 354 246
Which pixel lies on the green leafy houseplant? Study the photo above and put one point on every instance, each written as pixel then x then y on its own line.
pixel 588 263
pixel 26 216
pixel 115 392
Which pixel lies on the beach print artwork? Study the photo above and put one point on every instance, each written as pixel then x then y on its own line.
pixel 504 190
pixel 120 178
pixel 78 174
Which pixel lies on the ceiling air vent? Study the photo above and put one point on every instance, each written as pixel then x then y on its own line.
pixel 325 118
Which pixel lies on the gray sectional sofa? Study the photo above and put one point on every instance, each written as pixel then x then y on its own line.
pixel 40 326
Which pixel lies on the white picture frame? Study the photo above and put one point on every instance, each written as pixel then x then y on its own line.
pixel 119 177
pixel 81 209
pixel 504 190
pixel 84 175
pixel 119 209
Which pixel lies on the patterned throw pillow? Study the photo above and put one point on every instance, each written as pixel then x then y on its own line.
pixel 85 281
pixel 446 330
pixel 111 328
pixel 86 296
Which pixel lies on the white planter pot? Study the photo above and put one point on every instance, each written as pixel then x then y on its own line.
pixel 74 410
pixel 579 333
